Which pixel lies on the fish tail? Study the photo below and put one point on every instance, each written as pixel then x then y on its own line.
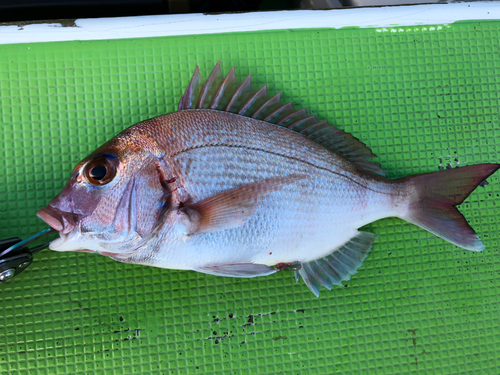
pixel 433 197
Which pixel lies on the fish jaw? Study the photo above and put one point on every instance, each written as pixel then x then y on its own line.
pixel 85 242
pixel 67 223
pixel 98 239
pixel 65 211
pixel 70 237
pixel 68 242
pixel 102 242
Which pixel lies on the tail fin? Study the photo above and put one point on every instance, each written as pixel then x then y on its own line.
pixel 433 197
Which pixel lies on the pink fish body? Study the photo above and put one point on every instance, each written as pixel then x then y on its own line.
pixel 236 184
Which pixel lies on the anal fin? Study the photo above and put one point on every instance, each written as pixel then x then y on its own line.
pixel 338 266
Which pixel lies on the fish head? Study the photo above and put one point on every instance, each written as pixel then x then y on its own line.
pixel 112 201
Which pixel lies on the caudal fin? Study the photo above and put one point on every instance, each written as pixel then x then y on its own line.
pixel 433 197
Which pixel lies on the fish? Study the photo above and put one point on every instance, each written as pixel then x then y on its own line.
pixel 236 184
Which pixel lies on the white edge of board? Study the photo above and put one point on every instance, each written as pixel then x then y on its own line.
pixel 381 18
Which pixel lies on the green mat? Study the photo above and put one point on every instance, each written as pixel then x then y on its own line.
pixel 422 99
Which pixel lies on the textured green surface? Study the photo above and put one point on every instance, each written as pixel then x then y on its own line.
pixel 421 98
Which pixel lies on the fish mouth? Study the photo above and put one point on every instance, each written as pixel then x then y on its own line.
pixel 63 222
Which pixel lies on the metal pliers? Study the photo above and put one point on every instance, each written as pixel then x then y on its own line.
pixel 16 256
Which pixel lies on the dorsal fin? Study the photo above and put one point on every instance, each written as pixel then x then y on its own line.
pixel 225 94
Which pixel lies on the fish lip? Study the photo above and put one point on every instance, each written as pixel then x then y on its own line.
pixel 49 219
pixel 63 222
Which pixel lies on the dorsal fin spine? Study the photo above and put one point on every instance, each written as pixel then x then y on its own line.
pixel 210 87
pixel 190 96
pixel 299 125
pixel 280 113
pixel 241 94
pixel 221 97
pixel 292 117
pixel 256 100
pixel 269 106
pixel 311 128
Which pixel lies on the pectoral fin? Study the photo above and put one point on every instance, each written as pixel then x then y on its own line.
pixel 244 270
pixel 230 208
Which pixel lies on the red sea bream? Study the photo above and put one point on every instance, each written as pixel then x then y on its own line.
pixel 236 184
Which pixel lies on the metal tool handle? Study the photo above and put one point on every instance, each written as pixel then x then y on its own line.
pixel 16 256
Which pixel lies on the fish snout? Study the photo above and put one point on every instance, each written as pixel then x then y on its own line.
pixel 64 222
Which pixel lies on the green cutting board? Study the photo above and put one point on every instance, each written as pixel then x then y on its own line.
pixel 422 99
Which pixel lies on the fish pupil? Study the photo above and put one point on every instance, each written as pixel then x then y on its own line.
pixel 98 172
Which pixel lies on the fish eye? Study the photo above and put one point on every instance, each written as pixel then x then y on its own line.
pixel 100 171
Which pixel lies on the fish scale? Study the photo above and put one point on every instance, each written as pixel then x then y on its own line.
pixel 220 127
pixel 247 188
pixel 282 206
